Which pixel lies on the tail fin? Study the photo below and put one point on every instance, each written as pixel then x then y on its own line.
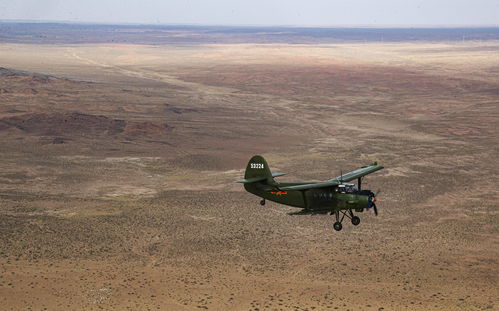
pixel 257 170
pixel 257 167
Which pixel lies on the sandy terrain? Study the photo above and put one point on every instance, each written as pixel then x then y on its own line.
pixel 117 164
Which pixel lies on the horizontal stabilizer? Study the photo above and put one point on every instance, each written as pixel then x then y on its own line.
pixel 250 180
pixel 257 179
pixel 278 174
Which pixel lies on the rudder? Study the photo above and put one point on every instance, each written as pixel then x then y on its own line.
pixel 258 168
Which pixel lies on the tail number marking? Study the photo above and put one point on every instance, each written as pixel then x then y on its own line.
pixel 256 165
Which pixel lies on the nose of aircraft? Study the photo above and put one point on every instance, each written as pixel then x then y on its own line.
pixel 371 203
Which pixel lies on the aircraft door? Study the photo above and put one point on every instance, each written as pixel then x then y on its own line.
pixel 319 198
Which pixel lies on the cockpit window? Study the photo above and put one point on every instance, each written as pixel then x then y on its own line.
pixel 347 189
pixel 351 189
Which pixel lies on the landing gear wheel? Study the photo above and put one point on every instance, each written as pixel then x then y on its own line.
pixel 337 226
pixel 262 202
pixel 355 220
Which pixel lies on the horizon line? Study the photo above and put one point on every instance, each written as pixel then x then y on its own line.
pixel 381 26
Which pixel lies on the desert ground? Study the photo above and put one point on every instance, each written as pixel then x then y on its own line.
pixel 118 161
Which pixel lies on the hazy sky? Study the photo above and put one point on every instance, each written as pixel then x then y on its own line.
pixel 258 12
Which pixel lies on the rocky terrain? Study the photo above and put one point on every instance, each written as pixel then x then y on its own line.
pixel 116 187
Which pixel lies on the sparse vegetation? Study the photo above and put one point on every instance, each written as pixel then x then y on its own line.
pixel 117 165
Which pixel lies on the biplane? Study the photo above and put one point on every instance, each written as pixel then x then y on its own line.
pixel 334 196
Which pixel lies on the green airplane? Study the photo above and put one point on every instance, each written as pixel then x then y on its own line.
pixel 331 196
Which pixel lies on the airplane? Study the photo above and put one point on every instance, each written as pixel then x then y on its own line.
pixel 334 195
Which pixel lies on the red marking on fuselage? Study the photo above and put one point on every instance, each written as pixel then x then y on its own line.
pixel 279 192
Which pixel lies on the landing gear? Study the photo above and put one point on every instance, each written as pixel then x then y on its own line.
pixel 262 202
pixel 337 225
pixel 355 219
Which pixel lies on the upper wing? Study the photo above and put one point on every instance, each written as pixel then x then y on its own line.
pixel 363 171
pixel 321 184
pixel 337 180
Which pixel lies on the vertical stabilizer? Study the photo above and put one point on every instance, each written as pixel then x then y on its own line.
pixel 258 168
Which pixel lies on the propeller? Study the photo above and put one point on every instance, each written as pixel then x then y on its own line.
pixel 371 202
